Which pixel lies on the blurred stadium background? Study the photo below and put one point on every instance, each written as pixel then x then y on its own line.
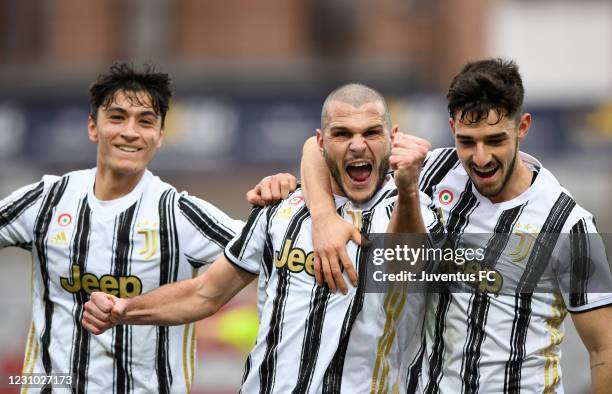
pixel 250 78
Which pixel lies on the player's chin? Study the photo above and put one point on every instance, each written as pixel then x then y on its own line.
pixel 130 167
pixel 360 189
pixel 361 195
pixel 488 190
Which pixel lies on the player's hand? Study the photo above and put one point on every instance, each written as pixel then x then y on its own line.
pixel 407 155
pixel 102 311
pixel 272 189
pixel 330 234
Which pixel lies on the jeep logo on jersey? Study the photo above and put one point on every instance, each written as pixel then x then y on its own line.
pixel 295 259
pixel 119 286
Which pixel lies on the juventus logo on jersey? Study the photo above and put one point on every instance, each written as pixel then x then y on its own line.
pixel 522 249
pixel 356 217
pixel 524 235
pixel 150 239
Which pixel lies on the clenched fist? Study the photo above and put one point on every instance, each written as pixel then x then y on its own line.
pixel 272 189
pixel 103 311
pixel 406 159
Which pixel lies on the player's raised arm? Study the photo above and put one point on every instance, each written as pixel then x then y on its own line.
pixel 330 232
pixel 177 303
pixel 407 156
pixel 272 189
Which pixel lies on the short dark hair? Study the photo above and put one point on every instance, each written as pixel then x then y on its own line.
pixel 125 77
pixel 355 94
pixel 484 85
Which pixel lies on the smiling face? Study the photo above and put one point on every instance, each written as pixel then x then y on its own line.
pixel 356 144
pixel 488 151
pixel 128 133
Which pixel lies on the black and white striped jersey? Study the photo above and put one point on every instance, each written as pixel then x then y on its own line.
pixel 502 341
pixel 150 237
pixel 310 340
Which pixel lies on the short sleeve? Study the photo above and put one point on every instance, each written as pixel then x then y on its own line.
pixel 433 224
pixel 204 230
pixel 17 215
pixel 247 249
pixel 582 268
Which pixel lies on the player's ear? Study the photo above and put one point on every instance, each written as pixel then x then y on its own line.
pixel 320 139
pixel 394 130
pixel 162 132
pixel 92 130
pixel 451 124
pixel 524 124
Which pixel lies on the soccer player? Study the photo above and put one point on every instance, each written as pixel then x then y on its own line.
pixel 496 341
pixel 119 229
pixel 309 340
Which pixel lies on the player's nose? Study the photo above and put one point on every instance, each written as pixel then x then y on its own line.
pixel 481 156
pixel 130 130
pixel 358 144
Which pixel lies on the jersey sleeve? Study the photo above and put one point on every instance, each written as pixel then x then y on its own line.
pixel 17 215
pixel 247 249
pixel 433 224
pixel 436 165
pixel 204 230
pixel 582 267
pixel 432 220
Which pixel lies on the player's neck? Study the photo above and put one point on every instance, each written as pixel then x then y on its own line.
pixel 519 182
pixel 111 186
pixel 336 190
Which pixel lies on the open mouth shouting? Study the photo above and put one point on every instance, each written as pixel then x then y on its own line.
pixel 359 172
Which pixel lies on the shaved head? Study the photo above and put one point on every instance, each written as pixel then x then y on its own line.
pixel 356 95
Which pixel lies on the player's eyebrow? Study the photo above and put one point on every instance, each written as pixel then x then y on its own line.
pixel 148 113
pixel 124 112
pixel 375 127
pixel 338 129
pixel 116 109
pixel 496 136
pixel 464 137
